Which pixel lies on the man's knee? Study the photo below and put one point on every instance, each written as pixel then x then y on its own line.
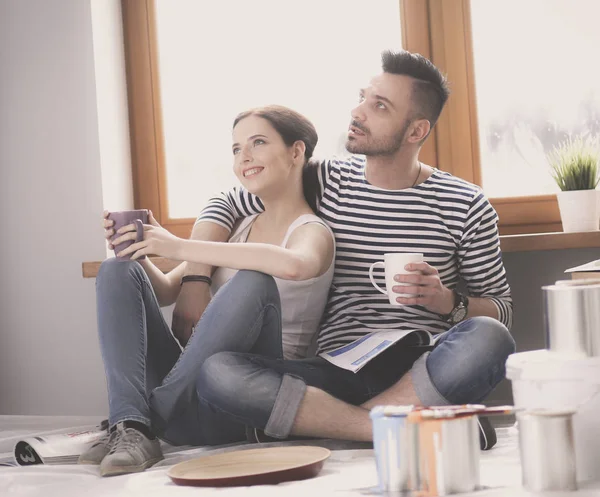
pixel 478 346
pixel 491 335
pixel 470 361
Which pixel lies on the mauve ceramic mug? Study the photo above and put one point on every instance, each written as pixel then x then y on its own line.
pixel 123 218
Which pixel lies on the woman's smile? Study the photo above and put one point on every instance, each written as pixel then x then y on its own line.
pixel 253 171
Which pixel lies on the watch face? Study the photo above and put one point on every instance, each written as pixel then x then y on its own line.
pixel 459 315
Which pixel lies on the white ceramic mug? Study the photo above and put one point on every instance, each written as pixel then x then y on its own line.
pixel 394 263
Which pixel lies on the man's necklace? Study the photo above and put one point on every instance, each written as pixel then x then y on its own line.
pixel 418 175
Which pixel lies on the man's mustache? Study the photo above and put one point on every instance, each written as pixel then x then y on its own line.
pixel 357 125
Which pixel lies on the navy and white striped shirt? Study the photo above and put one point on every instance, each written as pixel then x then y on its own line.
pixel 445 218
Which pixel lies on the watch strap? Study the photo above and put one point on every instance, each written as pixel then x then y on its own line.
pixel 460 300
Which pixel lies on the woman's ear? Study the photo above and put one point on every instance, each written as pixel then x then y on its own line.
pixel 298 151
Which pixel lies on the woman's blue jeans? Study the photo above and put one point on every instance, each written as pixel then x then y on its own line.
pixel 150 378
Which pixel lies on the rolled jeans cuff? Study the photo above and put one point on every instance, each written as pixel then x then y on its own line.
pixel 424 388
pixel 291 392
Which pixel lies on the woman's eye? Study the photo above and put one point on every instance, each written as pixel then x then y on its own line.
pixel 258 141
pixel 379 105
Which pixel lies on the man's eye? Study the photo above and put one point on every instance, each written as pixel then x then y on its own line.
pixel 236 150
pixel 379 105
pixel 361 98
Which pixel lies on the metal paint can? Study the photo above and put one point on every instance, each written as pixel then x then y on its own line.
pixel 396 444
pixel 448 451
pixel 547 448
pixel 572 318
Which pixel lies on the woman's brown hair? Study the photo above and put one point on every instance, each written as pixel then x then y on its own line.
pixel 292 127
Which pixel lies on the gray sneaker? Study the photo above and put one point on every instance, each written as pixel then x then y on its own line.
pixel 98 450
pixel 131 452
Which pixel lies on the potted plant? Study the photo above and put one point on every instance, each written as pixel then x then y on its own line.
pixel 574 166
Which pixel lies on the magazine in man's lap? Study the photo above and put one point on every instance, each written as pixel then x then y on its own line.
pixel 354 356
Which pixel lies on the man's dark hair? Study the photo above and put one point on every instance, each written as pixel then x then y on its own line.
pixel 430 89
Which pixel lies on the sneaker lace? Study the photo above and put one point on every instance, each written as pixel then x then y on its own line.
pixel 104 439
pixel 126 439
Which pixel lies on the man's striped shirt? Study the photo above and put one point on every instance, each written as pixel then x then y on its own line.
pixel 445 218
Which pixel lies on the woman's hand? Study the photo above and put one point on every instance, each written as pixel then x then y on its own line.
pixel 157 241
pixel 108 230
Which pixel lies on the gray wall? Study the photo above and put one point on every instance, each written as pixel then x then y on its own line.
pixel 51 203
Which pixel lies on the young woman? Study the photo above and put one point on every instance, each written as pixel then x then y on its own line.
pixel 151 380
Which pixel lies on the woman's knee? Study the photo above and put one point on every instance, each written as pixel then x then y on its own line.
pixel 251 288
pixel 217 383
pixel 113 270
pixel 255 280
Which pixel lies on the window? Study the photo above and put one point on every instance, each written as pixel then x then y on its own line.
pixel 192 69
pixel 216 62
pixel 458 44
pixel 180 134
pixel 533 89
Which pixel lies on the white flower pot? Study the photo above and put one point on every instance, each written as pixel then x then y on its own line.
pixel 579 210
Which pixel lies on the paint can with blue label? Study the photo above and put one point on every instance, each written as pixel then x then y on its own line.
pixel 396 448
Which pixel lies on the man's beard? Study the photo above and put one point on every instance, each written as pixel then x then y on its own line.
pixel 388 146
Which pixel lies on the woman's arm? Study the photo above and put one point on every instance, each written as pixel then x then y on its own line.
pixel 308 253
pixel 165 286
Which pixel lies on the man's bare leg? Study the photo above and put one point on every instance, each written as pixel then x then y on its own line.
pixel 322 415
pixel 399 394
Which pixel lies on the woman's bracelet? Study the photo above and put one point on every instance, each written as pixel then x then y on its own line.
pixel 196 277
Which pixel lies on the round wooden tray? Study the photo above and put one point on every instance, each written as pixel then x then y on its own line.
pixel 266 466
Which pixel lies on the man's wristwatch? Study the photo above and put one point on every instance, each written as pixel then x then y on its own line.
pixel 461 308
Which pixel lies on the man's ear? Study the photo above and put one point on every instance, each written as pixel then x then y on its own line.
pixel 419 130
pixel 298 150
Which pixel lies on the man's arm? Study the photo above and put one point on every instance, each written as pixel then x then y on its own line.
pixel 481 266
pixel 428 291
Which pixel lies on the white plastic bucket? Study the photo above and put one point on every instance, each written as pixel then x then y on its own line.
pixel 548 380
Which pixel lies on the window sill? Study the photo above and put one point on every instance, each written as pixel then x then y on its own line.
pixel 549 241
pixel 508 243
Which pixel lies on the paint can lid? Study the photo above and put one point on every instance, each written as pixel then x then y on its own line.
pixel 549 412
pixel 390 411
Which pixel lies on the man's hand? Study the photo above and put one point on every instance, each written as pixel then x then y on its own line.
pixel 427 288
pixel 189 307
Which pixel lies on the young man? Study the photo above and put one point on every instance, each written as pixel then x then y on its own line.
pixel 386 201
